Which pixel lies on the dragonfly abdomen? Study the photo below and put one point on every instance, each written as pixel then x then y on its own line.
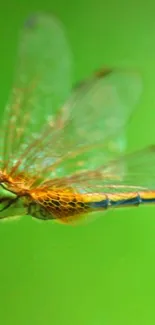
pixel 67 207
pixel 123 200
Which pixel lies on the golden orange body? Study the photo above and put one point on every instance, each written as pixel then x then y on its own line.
pixel 61 148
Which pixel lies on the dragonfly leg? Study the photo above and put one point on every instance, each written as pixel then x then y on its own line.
pixel 9 203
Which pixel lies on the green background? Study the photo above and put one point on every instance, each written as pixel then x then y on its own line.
pixel 103 272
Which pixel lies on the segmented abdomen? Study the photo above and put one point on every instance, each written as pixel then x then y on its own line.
pixel 67 206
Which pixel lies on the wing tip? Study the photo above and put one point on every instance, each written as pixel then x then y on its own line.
pixel 34 19
pixel 31 21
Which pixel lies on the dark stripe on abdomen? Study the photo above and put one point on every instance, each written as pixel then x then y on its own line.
pixel 107 203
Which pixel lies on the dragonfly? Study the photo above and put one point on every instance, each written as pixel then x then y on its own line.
pixel 62 150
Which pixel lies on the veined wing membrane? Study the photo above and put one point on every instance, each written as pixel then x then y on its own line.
pixel 94 121
pixel 42 83
pixel 46 134
pixel 130 173
pixel 90 125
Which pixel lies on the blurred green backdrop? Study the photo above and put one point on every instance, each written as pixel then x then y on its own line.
pixel 104 272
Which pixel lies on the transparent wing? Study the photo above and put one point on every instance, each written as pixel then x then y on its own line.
pixel 42 83
pixel 48 139
pixel 88 128
pixel 92 124
pixel 139 170
pixel 129 173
